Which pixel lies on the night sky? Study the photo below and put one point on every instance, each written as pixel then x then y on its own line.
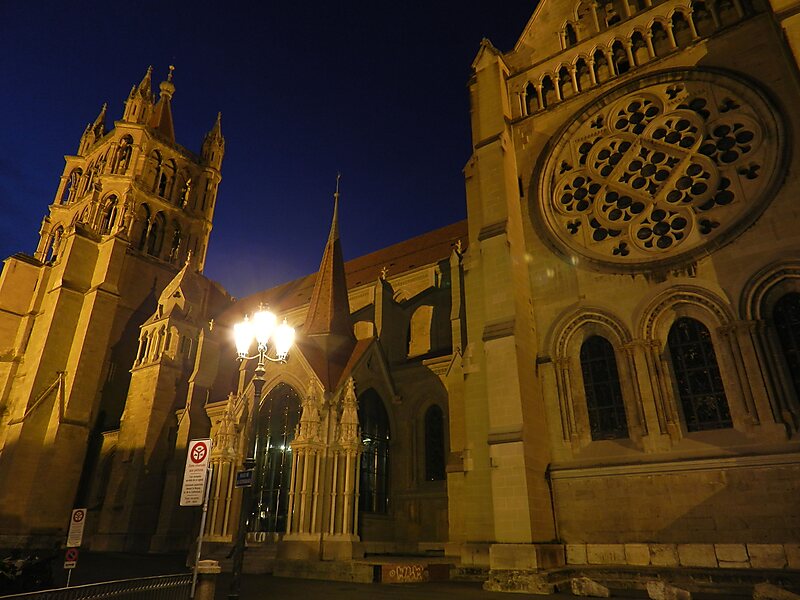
pixel 376 90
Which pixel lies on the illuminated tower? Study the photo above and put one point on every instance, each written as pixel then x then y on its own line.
pixel 131 208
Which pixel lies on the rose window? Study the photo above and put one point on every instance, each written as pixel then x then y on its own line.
pixel 681 163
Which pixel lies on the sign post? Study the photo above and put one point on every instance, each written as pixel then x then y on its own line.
pixel 196 490
pixel 77 523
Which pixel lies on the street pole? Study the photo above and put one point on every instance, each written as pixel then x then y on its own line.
pixel 247 493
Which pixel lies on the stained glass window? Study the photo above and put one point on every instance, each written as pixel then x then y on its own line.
pixel 603 395
pixel 279 415
pixel 374 487
pixel 697 376
pixel 786 317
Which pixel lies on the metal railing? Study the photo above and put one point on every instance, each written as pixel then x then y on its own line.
pixel 164 587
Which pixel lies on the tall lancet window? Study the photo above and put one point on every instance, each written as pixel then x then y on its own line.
pixel 697 376
pixel 374 487
pixel 277 420
pixel 786 317
pixel 603 394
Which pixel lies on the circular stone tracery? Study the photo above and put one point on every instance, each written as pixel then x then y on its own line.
pixel 659 173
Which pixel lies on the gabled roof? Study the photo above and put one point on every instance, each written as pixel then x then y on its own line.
pixel 406 256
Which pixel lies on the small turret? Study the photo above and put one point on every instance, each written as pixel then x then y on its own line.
pixel 214 144
pixel 93 132
pixel 139 105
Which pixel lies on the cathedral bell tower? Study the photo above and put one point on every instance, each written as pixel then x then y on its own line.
pixel 132 208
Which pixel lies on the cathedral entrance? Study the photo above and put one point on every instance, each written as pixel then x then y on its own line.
pixel 277 421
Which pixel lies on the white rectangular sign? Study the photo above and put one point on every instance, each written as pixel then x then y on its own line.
pixel 194 476
pixel 76 524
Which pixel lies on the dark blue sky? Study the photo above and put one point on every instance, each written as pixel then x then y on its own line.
pixel 376 90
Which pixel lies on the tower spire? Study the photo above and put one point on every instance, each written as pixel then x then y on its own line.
pixel 140 101
pixel 161 120
pixel 328 324
pixel 214 144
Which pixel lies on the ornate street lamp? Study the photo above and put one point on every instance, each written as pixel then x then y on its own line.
pixel 263 328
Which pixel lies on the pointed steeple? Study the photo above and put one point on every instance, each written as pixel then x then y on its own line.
pixel 329 311
pixel 328 338
pixel 161 120
pixel 140 101
pixel 214 144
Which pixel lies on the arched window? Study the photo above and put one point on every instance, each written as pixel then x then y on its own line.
pixel 434 444
pixel 727 12
pixel 548 92
pixel 786 317
pixel 602 72
pixel 697 376
pixel 584 78
pixel 620 58
pixel 565 83
pixel 661 44
pixel 71 187
pixel 175 243
pixel 570 37
pixel 54 244
pixel 109 215
pixel 277 421
pixel 604 402
pixel 374 485
pixel 531 99
pixel 639 47
pixel 154 169
pixel 124 156
pixel 680 30
pixel 143 223
pixel 703 21
pixel 155 237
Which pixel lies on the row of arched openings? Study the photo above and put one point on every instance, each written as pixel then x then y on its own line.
pixel 593 18
pixel 115 161
pixel 277 422
pixel 154 234
pixel 695 369
pixel 623 55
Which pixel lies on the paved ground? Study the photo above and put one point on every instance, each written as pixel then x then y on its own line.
pixel 106 567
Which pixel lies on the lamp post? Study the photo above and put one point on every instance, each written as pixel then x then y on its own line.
pixel 263 328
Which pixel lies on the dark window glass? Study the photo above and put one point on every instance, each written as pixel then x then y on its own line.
pixel 697 376
pixel 603 395
pixel 434 444
pixel 786 317
pixel 374 487
pixel 277 420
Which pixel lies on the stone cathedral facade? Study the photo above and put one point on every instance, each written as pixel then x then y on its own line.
pixel 598 367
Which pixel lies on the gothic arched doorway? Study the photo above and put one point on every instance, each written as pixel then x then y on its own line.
pixel 277 420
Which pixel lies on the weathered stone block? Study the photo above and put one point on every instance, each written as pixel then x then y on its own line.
pixel 663 555
pixel 605 554
pixel 768 591
pixel 697 555
pixel 731 553
pixel 767 556
pixel 637 554
pixel 583 586
pixel 518 581
pixel 792 555
pixel 576 554
pixel 659 590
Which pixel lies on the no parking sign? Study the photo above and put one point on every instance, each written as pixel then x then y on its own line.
pixel 71 558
